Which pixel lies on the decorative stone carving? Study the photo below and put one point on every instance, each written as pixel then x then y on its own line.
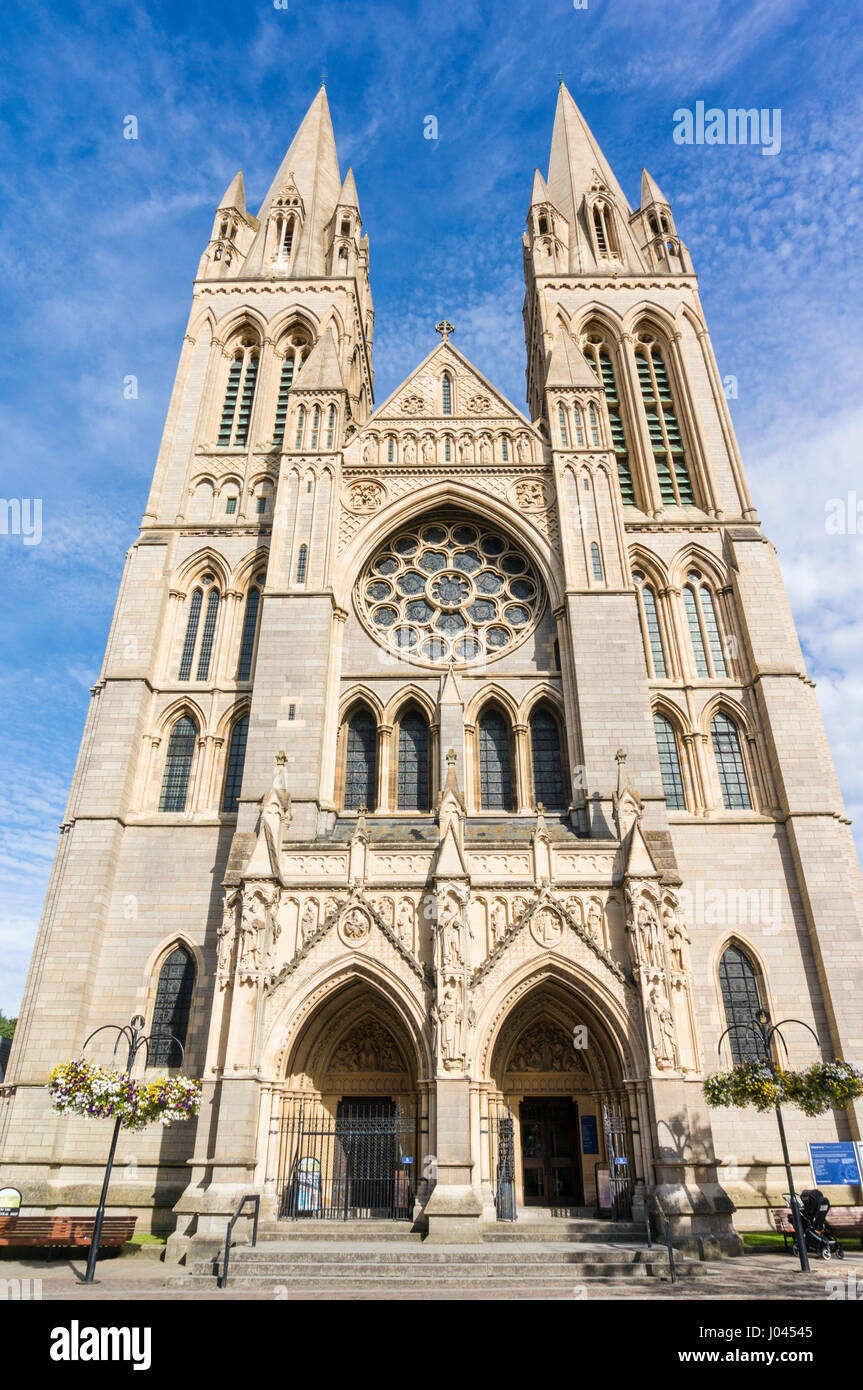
pixel 254 921
pixel 428 449
pixel 530 494
pixel 365 496
pixel 413 404
pixel 498 922
pixel 448 1013
pixel 545 1046
pixel 478 405
pixel 354 926
pixel 662 1034
pixel 546 927
pixel 406 922
pixel 409 453
pixel 227 933
pixel 367 1047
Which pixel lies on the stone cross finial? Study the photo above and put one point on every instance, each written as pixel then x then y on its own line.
pixel 444 329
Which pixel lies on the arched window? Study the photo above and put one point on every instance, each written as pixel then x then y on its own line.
pixel 331 426
pixel 178 764
pixel 295 353
pixel 361 762
pixel 546 760
pixel 669 763
pixel 729 764
pixel 495 775
pixel 650 629
pixel 301 427
pixel 561 418
pixel 579 427
pixel 703 627
pixel 446 394
pixel 236 759
pixel 302 564
pixel 199 637
pixel 599 229
pixel 250 630
pixel 391 446
pixel 675 484
pixel 741 1000
pixel 599 356
pixel 288 237
pixel 206 652
pixel 316 426
pixel 171 1009
pixel 504 449
pixel 413 765
pixel 447 449
pixel 596 561
pixel 594 425
pixel 239 397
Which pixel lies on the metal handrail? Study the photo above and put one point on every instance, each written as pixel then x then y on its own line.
pixel 256 1200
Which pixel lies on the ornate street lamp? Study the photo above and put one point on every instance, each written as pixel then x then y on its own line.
pixel 765 1031
pixel 134 1033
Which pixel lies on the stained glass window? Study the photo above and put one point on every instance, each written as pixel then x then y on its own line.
pixel 171 1009
pixel 206 652
pixel 191 635
pixel 250 627
pixel 236 759
pixel 413 773
pixel 494 762
pixel 178 765
pixel 729 764
pixel 741 1000
pixel 546 756
pixel 361 762
pixel 302 562
pixel 669 763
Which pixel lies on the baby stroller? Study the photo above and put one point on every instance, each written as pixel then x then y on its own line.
pixel 819 1238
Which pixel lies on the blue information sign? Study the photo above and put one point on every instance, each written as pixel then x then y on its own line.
pixel 834 1165
pixel 589 1135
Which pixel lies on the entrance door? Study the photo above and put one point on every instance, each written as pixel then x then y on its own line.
pixel 550 1161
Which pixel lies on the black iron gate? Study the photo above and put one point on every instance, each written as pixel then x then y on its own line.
pixel 618 1148
pixel 501 1132
pixel 359 1162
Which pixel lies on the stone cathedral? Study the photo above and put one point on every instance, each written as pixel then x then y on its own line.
pixel 453 779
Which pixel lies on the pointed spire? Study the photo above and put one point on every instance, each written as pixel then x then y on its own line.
pixel 235 194
pixel 650 191
pixel 568 365
pixel 575 159
pixel 539 192
pixel 321 370
pixel 348 196
pixel 311 165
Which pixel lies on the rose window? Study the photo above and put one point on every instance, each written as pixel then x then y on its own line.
pixel 459 592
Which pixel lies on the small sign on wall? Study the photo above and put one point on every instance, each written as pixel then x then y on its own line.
pixel 10 1201
pixel 589 1135
pixel 834 1165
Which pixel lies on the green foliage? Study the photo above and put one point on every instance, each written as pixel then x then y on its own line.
pixel 7 1026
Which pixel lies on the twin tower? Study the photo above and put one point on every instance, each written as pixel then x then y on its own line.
pixel 453 774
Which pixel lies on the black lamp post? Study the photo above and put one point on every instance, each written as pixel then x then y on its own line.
pixel 134 1033
pixel 765 1032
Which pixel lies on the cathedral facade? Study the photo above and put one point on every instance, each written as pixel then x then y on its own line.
pixel 453 779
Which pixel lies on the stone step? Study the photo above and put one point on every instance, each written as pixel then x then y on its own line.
pixel 432 1255
pixel 396 1283
pixel 575 1229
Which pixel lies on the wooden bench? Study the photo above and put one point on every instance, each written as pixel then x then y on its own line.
pixel 64 1230
pixel 843 1221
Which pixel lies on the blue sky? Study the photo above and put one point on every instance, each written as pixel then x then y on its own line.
pixel 102 237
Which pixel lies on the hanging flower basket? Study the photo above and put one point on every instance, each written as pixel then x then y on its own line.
pixel 818 1088
pixel 77 1088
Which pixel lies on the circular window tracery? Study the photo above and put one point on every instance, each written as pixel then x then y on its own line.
pixel 458 592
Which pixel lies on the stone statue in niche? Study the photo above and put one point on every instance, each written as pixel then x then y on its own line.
pixel 370 452
pixel 251 926
pixel 355 925
pixel 226 932
pixel 410 452
pixel 662 1030
pixel 450 1013
pixel 498 923
pixel 521 448
pixel 594 920
pixel 309 922
pixel 452 925
pixel 428 450
pixel 650 947
pixel 406 923
pixel 484 450
pixel 678 938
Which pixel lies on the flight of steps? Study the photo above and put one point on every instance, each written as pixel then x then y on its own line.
pixel 532 1259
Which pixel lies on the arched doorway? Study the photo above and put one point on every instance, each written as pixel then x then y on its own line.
pixel 559 1125
pixel 349 1118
